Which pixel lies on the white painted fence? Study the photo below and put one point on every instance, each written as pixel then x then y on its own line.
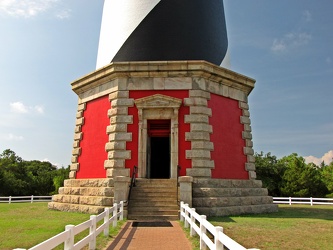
pixel 67 236
pixel 32 198
pixel 298 200
pixel 199 225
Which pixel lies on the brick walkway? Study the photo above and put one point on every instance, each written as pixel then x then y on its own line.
pixel 140 235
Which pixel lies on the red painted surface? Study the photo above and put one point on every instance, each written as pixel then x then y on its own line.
pixel 159 128
pixel 227 138
pixel 182 129
pixel 94 138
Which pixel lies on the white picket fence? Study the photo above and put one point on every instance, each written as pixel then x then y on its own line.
pixel 67 236
pixel 199 225
pixel 298 200
pixel 17 199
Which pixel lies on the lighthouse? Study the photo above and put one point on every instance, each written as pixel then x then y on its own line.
pixel 162 106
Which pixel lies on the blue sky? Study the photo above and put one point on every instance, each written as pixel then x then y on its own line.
pixel 287 46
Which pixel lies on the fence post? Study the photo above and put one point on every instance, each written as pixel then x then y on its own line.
pixel 92 231
pixel 192 231
pixel 115 216
pixel 32 198
pixel 202 231
pixel 311 201
pixel 121 211
pixel 181 210
pixel 69 243
pixel 106 221
pixel 186 215
pixel 290 201
pixel 218 244
pixel 10 200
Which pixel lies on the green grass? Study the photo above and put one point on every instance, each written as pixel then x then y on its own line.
pixel 23 225
pixel 293 227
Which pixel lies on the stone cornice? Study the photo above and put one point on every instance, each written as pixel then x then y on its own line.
pixel 163 69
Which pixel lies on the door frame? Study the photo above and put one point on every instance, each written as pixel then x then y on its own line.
pixel 157 107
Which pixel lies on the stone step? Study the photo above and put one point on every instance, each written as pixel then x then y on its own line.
pixel 152 203
pixel 150 213
pixel 228 192
pixel 76 208
pixel 87 191
pixel 156 183
pixel 237 210
pixel 89 183
pixel 230 201
pixel 152 193
pixel 83 200
pixel 153 208
pixel 153 217
pixel 223 183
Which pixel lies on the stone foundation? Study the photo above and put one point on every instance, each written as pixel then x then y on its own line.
pixel 217 197
pixel 84 195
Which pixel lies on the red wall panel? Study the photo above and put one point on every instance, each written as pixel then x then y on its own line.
pixel 228 152
pixel 227 136
pixel 182 129
pixel 94 138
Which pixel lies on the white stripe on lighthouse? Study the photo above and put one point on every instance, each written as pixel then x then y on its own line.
pixel 120 18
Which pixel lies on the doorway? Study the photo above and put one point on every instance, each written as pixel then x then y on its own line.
pixel 158 149
pixel 161 111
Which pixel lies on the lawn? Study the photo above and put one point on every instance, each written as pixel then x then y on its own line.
pixel 23 225
pixel 293 227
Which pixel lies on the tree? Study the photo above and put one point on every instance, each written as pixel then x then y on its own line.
pixel 270 171
pixel 40 176
pixel 19 177
pixel 301 179
pixel 58 180
pixel 327 177
pixel 13 174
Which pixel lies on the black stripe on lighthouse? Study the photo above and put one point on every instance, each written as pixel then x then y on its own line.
pixel 179 30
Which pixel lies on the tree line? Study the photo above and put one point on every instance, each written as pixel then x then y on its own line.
pixel 290 176
pixel 22 178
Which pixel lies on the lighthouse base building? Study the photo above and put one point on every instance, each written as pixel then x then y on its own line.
pixel 185 125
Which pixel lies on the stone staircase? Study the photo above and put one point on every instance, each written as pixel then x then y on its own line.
pixel 154 199
pixel 216 197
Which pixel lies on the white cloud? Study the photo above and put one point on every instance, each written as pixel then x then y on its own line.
pixel 63 14
pixel 327 158
pixel 39 109
pixel 11 137
pixel 29 8
pixel 20 108
pixel 54 164
pixel 307 16
pixel 290 41
pixel 278 45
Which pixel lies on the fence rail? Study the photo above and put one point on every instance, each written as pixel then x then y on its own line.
pixel 300 200
pixel 17 199
pixel 67 236
pixel 199 226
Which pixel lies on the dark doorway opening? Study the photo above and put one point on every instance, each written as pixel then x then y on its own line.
pixel 160 157
pixel 158 149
